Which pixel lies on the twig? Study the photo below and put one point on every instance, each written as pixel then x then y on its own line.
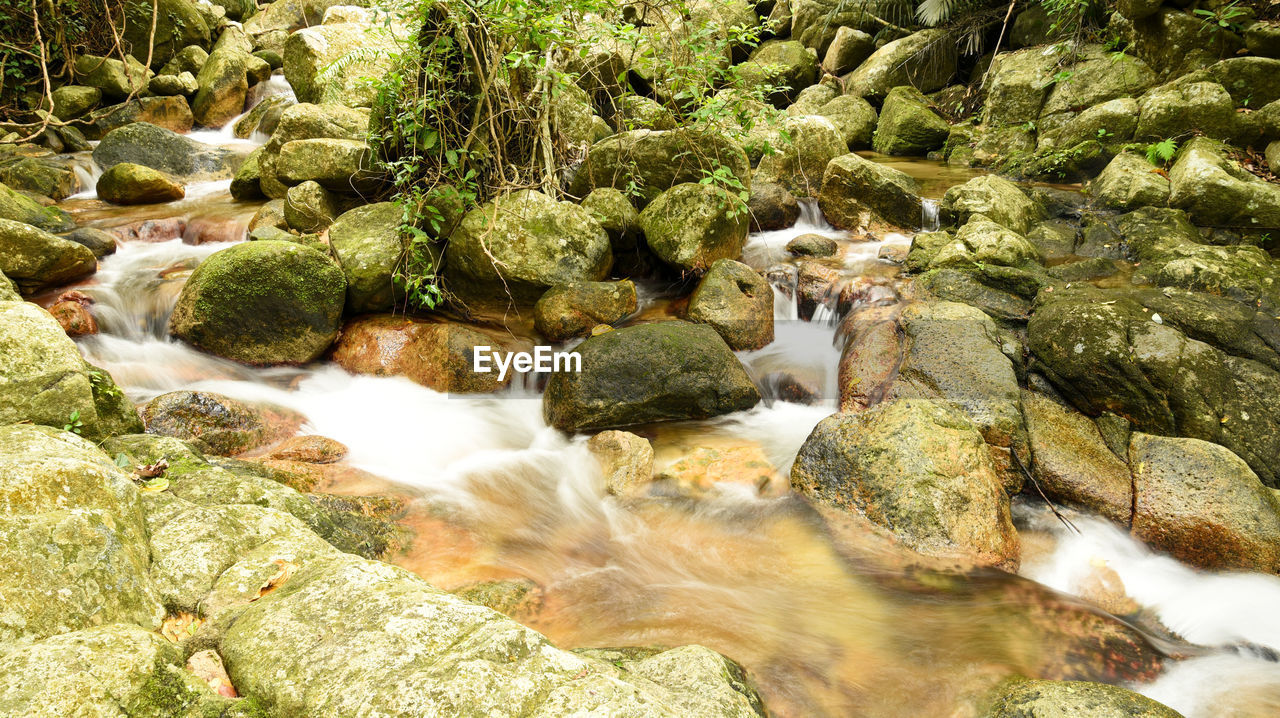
pixel 1065 521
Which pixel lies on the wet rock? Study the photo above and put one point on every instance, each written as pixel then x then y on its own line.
pixel 224 87
pixel 1072 462
pixel 74 315
pixel 998 199
pixel 155 147
pixel 573 310
pixel 798 164
pixel 658 161
pixel 1215 189
pixel 772 207
pixel 308 207
pixel 264 117
pixel 735 301
pixel 72 101
pixel 1202 504
pixel 48 176
pixel 74 545
pixel 651 372
pixel 311 449
pixel 308 53
pixel 171 113
pixel 907 126
pixel 262 303
pixel 692 225
pixel 920 470
pixel 37 260
pixel 514 597
pixel 847 50
pixel 128 183
pixel 784 64
pixel 247 182
pixel 855 119
pixel 1130 182
pixel 437 355
pixel 521 244
pixel 854 190
pixel 368 245
pixel 21 208
pixel 1046 699
pixel 706 467
pixel 626 460
pixel 116 79
pixel 225 426
pixel 813 245
pixel 925 60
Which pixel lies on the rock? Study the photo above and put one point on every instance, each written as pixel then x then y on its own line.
pixel 1048 699
pixel 626 460
pixel 1263 39
pixel 692 225
pixel 224 87
pixel 189 59
pixel 799 163
pixel 308 207
pixel 262 303
pixel 1130 182
pixel 907 126
pixel 925 60
pixel 784 64
pixel 226 427
pixel 1114 120
pixel 74 317
pixel 291 15
pixel 184 85
pixel 642 113
pixel 311 449
pixel 1017 85
pixel 368 244
pixel 37 260
pixel 21 208
pixel 658 161
pixel 116 79
pixel 1202 504
pixel 99 242
pixel 127 183
pixel 264 117
pixel 1215 189
pixel 178 23
pixel 811 98
pixel 74 544
pixel 1202 107
pixel 702 470
pixel 72 101
pixel 171 113
pixel 735 301
pixel 1251 80
pixel 617 216
pixel 270 214
pixel 247 182
pixel 311 51
pixel 1098 77
pixel 854 190
pixel 155 147
pixel 340 165
pixel 815 22
pixel 47 176
pixel 847 50
pixel 437 355
pixel 1072 463
pixel 998 199
pixel 521 244
pixel 918 469
pixel 573 310
pixel 813 245
pixel 772 207
pixel 662 371
pixel 854 118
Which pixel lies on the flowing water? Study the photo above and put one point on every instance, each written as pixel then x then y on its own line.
pixel 828 617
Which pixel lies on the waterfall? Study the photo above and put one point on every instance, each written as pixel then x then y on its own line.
pixel 929 215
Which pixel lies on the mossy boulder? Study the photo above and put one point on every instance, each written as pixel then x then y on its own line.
pixel 917 469
pixel 982 241
pixel 1072 462
pixel 573 310
pixel 72 101
pixel 855 119
pixel 907 126
pixel 247 183
pixel 1114 121
pixel 692 225
pixel 772 207
pixel 1130 182
pixel 521 244
pixel 171 113
pixel 1214 189
pixel 262 303
pixel 308 52
pixel 224 86
pixel 997 198
pixel 367 243
pixel 663 371
pixel 657 161
pixel 1017 85
pixel 737 302
pixel 223 425
pixel 49 176
pixel 1254 81
pixel 1201 107
pixel 155 147
pixel 617 216
pixel 189 59
pixel 340 165
pixel 799 162
pixel 18 207
pixel 116 79
pixel 127 183
pixel 308 207
pixel 847 50
pixel 1048 699
pixel 925 60
pixel 178 23
pixel 1097 77
pixel 855 189
pixel 785 64
pixel 36 259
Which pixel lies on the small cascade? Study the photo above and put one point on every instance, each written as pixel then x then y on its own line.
pixel 226 135
pixel 87 173
pixel 929 215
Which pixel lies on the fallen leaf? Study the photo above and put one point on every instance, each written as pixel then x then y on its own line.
pixel 286 571
pixel 150 471
pixel 207 665
pixel 180 626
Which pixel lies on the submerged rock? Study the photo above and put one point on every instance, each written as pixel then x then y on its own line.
pixel 1049 699
pixel 222 424
pixel 626 460
pixel 662 371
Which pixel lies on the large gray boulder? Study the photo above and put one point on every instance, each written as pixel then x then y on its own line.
pixel 155 147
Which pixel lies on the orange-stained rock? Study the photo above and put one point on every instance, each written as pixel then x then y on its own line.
pixel 74 317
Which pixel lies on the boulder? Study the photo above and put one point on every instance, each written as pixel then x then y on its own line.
pixel 1097 77
pixel 264 117
pixel 981 241
pixel 812 97
pixel 224 87
pixel 438 355
pixel 521 244
pixel 816 22
pixel 155 147
pixel 772 207
pixel 617 216
pixel 1263 39
pixel 813 245
pixel 223 425
pixel 72 313
pixel 262 303
pixel 189 60
pixel 340 165
pixel 1202 504
pixel 48 176
pixel 177 24
pixel 995 197
pixel 1047 699
pixel 642 113
pixel 310 54
pixel 36 259
pixel 925 60
pixel 656 161
pixel 692 225
pixel 626 460
pixel 1254 81
pixel 1017 84
pixel 907 126
pixel 856 190
pixel 1181 107
pixel 784 64
pixel 918 469
pixel 847 50
pixel 1114 121
pixel 171 113
pixel 367 243
pixel 855 119
pixel 72 101
pixel 289 15
pixel 1130 182
pixel 308 207
pixel 1215 189
pixel 798 164
pixel 737 302
pixel 663 371
pixel 573 310
pixel 116 79
pixel 18 207
pixel 1072 463
pixel 247 183
pixel 127 183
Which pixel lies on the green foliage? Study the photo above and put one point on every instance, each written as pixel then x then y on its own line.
pixel 1229 17
pixel 67 28
pixel 1162 153
pixel 73 422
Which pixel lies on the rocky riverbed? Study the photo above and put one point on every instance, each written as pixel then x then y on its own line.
pixel 948 386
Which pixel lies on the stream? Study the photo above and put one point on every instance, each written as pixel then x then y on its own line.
pixel 827 622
